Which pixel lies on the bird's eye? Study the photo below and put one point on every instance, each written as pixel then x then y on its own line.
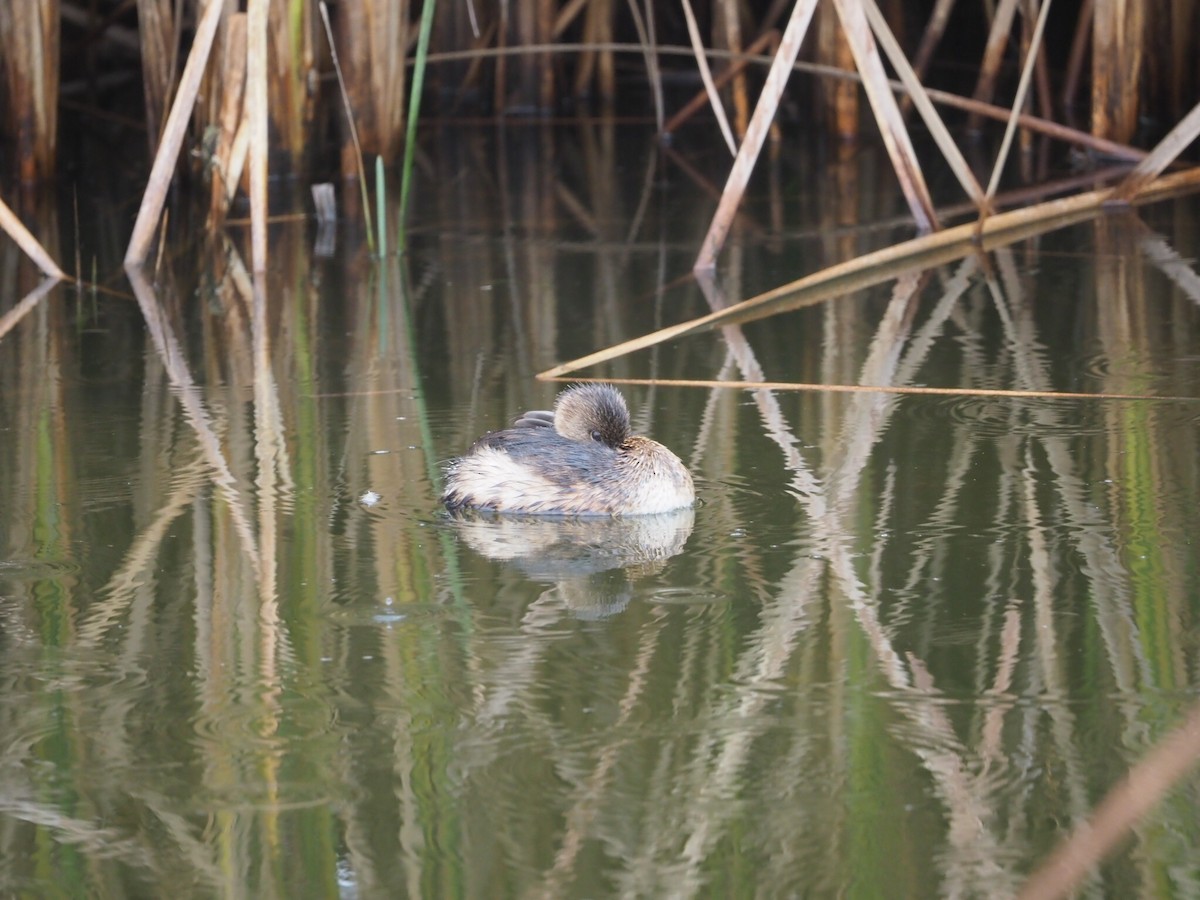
pixel 597 436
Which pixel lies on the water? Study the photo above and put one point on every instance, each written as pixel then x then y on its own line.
pixel 903 645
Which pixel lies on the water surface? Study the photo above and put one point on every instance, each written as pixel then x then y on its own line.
pixel 904 644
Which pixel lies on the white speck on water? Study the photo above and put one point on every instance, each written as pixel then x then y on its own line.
pixel 370 498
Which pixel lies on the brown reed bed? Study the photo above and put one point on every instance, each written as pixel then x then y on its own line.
pixel 251 87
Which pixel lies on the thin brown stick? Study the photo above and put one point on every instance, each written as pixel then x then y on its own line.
pixel 711 384
pixel 882 265
pixel 173 134
pixel 756 133
pixel 15 229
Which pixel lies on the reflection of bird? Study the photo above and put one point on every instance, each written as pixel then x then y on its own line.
pixel 579 460
pixel 593 562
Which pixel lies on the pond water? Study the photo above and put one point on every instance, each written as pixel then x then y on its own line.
pixel 904 645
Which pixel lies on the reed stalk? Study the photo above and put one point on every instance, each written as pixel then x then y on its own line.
pixel 916 93
pixel 173 135
pixel 1118 29
pixel 993 55
pixel 15 229
pixel 710 88
pixel 1019 102
pixel 29 36
pixel 257 13
pixel 882 265
pixel 225 173
pixel 887 112
pixel 157 33
pixel 756 133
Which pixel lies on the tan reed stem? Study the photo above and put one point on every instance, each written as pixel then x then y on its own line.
pixel 173 134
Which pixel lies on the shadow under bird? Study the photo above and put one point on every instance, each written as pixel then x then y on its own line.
pixel 578 460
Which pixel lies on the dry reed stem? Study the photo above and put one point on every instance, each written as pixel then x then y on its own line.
pixel 934 30
pixel 172 137
pixel 1019 102
pixel 1165 153
pixel 256 113
pixel 233 82
pixel 714 99
pixel 156 32
pixel 566 16
pixel 756 133
pixel 1118 29
pixel 730 18
pixel 887 112
pixel 29 50
pixel 882 265
pixel 1001 393
pixel 917 94
pixel 993 55
pixel 15 229
pixel 1079 44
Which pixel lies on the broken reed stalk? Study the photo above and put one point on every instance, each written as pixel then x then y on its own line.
pixel 756 133
pixel 872 268
pixel 23 237
pixel 358 154
pixel 172 137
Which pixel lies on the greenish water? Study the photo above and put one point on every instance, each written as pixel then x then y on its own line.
pixel 902 647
